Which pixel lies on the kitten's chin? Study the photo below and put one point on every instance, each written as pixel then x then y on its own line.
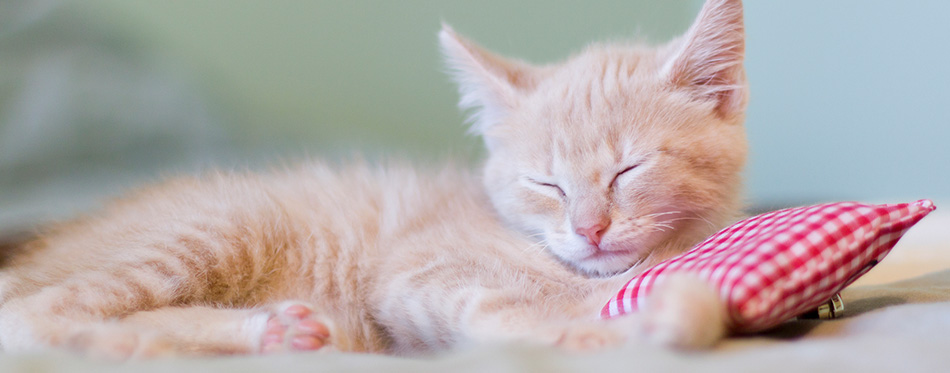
pixel 604 263
pixel 609 259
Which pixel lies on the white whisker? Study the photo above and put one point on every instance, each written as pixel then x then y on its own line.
pixel 540 245
pixel 660 214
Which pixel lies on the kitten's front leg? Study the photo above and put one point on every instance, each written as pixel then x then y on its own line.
pixel 170 331
pixel 596 335
pixel 548 322
pixel 289 326
pixel 683 312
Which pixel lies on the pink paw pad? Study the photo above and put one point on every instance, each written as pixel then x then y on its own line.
pixel 294 327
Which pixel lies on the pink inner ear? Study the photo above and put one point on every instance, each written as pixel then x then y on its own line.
pixel 488 83
pixel 709 61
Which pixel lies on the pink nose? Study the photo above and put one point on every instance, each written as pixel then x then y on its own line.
pixel 593 233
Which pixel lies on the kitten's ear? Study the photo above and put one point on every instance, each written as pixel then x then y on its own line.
pixel 489 85
pixel 709 59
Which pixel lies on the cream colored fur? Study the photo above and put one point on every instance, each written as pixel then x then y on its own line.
pixel 618 158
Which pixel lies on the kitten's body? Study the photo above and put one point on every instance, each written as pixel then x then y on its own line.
pixel 395 258
pixel 619 157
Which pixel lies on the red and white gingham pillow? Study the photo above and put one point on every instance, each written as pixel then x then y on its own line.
pixel 775 266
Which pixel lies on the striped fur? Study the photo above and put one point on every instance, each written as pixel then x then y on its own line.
pixel 603 164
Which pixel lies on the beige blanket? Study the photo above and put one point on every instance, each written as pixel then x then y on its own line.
pixel 901 326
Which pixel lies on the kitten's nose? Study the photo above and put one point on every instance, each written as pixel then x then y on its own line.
pixel 593 233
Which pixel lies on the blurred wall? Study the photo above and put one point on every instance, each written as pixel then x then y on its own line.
pixel 333 75
pixel 850 100
pixel 849 97
pixel 98 96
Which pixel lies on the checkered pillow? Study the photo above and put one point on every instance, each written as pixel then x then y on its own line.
pixel 775 266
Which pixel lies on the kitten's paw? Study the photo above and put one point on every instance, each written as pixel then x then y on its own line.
pixel 114 342
pixel 596 335
pixel 293 326
pixel 683 312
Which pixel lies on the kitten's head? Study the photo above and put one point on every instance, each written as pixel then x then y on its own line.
pixel 621 154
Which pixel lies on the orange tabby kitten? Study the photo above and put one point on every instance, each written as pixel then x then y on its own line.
pixel 611 161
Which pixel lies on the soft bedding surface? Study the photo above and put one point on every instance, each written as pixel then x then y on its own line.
pixel 894 326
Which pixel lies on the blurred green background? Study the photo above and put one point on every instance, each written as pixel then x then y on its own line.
pixel 849 97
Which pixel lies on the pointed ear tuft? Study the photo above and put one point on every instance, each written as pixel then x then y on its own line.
pixel 709 59
pixel 489 85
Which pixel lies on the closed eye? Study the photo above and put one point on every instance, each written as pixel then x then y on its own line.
pixel 549 185
pixel 628 169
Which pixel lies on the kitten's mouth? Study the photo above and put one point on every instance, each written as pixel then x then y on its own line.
pixel 613 255
pixel 601 254
pixel 608 263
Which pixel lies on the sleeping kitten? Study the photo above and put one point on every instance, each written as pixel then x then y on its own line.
pixel 618 158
